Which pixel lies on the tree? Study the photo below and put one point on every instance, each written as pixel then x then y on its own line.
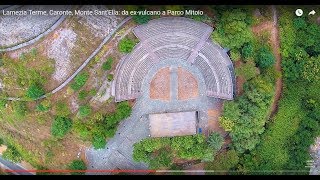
pixel 215 141
pixel 79 81
pixel 233 30
pixel 77 165
pixel 35 91
pixel 82 95
pixel 84 111
pixel 126 45
pixel 108 64
pixel 247 50
pixel 61 126
pixel 265 58
pixel 311 69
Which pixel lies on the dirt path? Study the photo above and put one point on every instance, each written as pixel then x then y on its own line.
pixel 272 26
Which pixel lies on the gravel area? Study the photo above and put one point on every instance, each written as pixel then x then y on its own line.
pixel 60 50
pixel 315 154
pixel 17 29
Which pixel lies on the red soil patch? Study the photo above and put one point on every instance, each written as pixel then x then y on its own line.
pixel 160 85
pixel 187 85
pixel 239 80
pixel 213 120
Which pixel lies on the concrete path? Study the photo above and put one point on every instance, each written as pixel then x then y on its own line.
pixel 119 149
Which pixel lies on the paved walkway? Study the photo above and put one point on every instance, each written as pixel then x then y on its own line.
pixel 119 149
pixel 12 166
pixel 39 36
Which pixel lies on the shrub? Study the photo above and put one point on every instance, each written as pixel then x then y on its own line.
pixel 3 103
pixel 99 141
pixel 61 126
pixel 110 77
pixel 41 108
pixel 108 64
pixel 265 58
pixel 20 108
pixel 76 165
pixel 35 91
pixel 79 81
pixel 235 55
pixel 12 154
pixel 82 95
pixel 1 141
pixel 62 109
pixel 215 141
pixel 84 111
pixel 126 45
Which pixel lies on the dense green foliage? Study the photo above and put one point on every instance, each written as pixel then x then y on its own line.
pixel 1 141
pixel 285 144
pixel 77 165
pixel 223 162
pixel 126 45
pixel 12 154
pixel 265 58
pixel 108 64
pixel 97 127
pixel 300 47
pixel 247 115
pixel 79 81
pixel 248 70
pixel 61 126
pixel 159 152
pixel 233 27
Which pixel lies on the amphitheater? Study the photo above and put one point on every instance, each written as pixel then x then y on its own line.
pixel 177 77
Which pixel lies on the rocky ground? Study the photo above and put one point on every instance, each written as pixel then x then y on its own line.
pixel 17 29
pixel 315 154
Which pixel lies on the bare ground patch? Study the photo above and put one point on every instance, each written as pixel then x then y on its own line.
pixel 187 85
pixel 160 85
